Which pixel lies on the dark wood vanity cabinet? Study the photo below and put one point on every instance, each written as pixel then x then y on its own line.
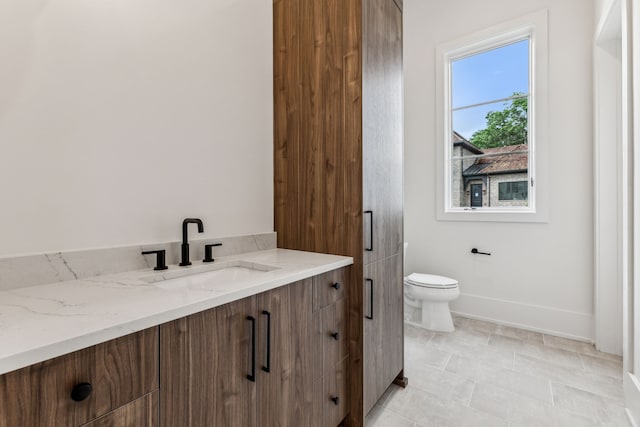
pixel 120 372
pixel 278 358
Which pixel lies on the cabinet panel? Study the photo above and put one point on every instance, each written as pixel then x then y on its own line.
pixel 119 371
pixel 383 352
pixel 392 308
pixel 373 380
pixel 382 142
pixel 288 350
pixel 142 412
pixel 206 358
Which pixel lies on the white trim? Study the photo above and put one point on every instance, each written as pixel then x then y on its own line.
pixel 537 318
pixel 535 27
pixel 607 163
pixel 630 417
pixel 630 29
pixel 631 387
pixel 631 136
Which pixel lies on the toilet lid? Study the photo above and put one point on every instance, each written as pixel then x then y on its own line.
pixel 431 281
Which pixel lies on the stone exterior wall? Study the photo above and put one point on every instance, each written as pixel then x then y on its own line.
pixel 459 197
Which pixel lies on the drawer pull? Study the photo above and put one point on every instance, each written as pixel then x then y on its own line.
pixel 370 315
pixel 336 336
pixel 267 367
pixel 369 248
pixel 335 400
pixel 81 391
pixel 336 286
pixel 252 376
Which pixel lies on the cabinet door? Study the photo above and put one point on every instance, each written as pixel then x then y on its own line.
pixel 205 361
pixel 383 327
pixel 142 412
pixel 286 356
pixel 382 129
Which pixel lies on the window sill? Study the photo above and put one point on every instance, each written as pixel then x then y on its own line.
pixel 489 215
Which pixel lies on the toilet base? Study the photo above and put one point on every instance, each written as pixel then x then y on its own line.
pixel 436 316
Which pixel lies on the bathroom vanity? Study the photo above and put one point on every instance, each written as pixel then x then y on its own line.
pixel 252 339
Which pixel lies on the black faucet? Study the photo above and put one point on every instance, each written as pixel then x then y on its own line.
pixel 185 238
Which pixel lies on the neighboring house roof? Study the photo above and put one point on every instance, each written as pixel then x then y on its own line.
pixel 500 162
pixel 459 140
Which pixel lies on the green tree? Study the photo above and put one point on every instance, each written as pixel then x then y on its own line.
pixel 505 127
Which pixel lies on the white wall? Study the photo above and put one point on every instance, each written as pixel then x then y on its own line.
pixel 119 118
pixel 600 8
pixel 539 276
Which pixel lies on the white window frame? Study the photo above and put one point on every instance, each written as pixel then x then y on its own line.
pixel 534 27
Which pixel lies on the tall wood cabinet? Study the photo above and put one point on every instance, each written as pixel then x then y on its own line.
pixel 338 176
pixel 382 197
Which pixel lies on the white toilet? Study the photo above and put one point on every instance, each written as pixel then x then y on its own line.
pixel 432 294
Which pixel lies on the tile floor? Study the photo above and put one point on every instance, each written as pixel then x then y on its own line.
pixel 488 375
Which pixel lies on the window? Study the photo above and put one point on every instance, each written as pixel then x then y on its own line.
pixel 518 190
pixel 491 123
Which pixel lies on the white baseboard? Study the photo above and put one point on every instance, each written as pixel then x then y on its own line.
pixel 547 320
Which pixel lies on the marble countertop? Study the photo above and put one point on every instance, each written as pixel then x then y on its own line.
pixel 41 322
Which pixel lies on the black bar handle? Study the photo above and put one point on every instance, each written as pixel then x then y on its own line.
pixel 475 251
pixel 370 316
pixel 208 252
pixel 267 368
pixel 370 248
pixel 161 260
pixel 252 376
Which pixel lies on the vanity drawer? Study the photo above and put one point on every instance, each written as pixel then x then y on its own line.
pixel 142 412
pixel 334 331
pixel 119 371
pixel 335 396
pixel 329 287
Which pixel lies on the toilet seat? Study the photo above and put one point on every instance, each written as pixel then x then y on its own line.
pixel 431 281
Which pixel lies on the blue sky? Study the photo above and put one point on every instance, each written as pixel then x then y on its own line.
pixel 494 74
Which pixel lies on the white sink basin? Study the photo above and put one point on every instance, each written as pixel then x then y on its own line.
pixel 226 275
